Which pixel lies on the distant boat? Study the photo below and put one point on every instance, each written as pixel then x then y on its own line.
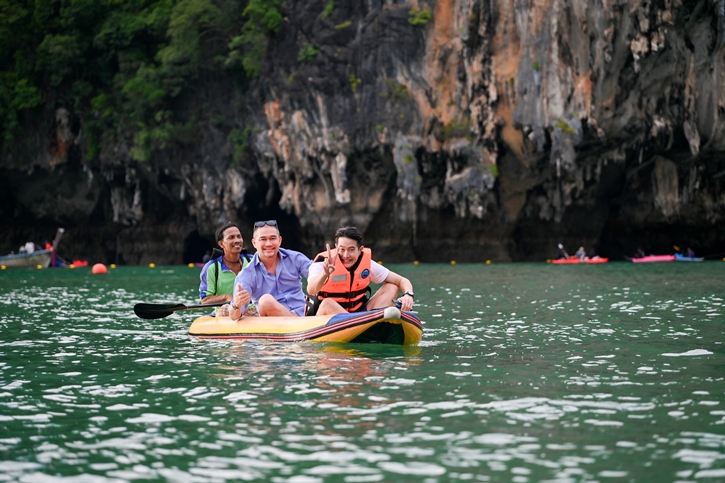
pixel 682 258
pixel 574 260
pixel 654 259
pixel 38 257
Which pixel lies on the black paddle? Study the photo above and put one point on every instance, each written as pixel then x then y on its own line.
pixel 159 311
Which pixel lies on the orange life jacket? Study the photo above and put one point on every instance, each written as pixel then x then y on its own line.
pixel 348 287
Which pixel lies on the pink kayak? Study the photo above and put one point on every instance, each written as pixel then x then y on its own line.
pixel 654 259
pixel 575 260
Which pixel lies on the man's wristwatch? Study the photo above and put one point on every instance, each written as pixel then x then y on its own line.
pixel 412 295
pixel 232 305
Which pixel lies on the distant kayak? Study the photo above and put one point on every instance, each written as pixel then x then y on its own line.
pixel 575 261
pixel 682 258
pixel 654 259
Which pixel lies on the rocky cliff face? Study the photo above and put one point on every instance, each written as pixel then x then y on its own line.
pixel 466 130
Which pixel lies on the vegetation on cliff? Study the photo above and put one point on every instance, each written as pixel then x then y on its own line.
pixel 122 65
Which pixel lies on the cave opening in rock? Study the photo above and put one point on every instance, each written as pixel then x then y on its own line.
pixel 195 246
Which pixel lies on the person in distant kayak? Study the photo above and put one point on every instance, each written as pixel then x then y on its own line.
pixel 690 253
pixel 272 280
pixel 639 253
pixel 218 274
pixel 561 253
pixel 581 254
pixel 340 279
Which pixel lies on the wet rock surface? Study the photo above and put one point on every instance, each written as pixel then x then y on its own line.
pixel 493 131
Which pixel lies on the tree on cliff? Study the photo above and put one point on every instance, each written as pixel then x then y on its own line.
pixel 122 66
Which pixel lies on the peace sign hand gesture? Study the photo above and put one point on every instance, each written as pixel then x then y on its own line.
pixel 328 266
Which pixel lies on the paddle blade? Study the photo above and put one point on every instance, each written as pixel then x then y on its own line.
pixel 156 311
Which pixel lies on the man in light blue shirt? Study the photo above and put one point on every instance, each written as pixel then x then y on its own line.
pixel 272 280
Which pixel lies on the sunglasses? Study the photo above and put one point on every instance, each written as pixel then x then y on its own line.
pixel 260 224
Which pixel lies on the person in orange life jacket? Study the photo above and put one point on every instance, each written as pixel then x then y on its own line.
pixel 340 278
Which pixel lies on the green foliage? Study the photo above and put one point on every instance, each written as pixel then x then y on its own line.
pixel 419 17
pixel 308 53
pixel 354 82
pixel 122 65
pixel 565 127
pixel 238 140
pixel 536 66
pixel 264 15
pixel 457 128
pixel 263 20
pixel 16 95
pixel 329 8
pixel 57 55
pixel 408 158
pixel 146 87
pixel 343 25
pixel 101 106
pixel 493 169
pixel 395 90
pixel 379 127
pixel 158 135
pixel 189 21
pixel 25 95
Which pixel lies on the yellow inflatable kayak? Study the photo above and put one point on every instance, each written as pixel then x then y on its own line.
pixel 385 326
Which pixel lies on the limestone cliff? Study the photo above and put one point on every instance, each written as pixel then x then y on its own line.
pixel 466 130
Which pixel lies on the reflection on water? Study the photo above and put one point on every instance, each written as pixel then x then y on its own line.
pixel 526 373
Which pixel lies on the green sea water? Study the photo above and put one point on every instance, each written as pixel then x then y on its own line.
pixel 526 373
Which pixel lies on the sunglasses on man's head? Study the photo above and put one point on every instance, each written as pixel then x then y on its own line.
pixel 260 224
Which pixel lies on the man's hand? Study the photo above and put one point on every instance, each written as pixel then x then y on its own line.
pixel 406 303
pixel 241 297
pixel 223 311
pixel 328 266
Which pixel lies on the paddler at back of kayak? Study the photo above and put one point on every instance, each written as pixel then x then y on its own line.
pixel 272 280
pixel 340 279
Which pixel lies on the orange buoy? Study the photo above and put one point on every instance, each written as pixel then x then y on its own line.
pixel 98 269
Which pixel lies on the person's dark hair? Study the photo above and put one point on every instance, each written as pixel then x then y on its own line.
pixel 261 224
pixel 350 232
pixel 223 228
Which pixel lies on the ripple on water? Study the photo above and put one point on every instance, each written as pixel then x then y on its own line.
pixel 525 374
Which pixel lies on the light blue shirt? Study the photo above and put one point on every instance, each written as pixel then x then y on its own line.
pixel 285 286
